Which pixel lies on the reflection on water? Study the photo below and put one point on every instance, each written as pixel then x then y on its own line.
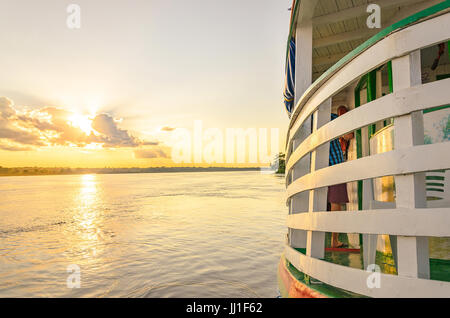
pixel 87 214
pixel 216 234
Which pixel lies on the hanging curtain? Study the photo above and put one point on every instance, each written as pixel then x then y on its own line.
pixel 289 84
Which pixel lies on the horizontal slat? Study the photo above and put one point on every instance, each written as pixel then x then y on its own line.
pixel 395 162
pixel 395 45
pixel 355 280
pixel 405 222
pixel 396 104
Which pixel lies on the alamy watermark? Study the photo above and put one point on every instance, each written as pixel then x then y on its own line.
pixel 73 20
pixel 74 279
pixel 374 19
pixel 249 146
pixel 374 279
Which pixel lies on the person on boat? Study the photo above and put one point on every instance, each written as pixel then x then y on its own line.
pixel 346 139
pixel 337 194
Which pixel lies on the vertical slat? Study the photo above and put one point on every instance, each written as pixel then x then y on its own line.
pixel 412 252
pixel 303 79
pixel 369 240
pixel 303 58
pixel 315 246
pixel 297 238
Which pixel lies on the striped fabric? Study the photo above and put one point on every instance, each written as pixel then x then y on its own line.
pixel 336 155
pixel 289 84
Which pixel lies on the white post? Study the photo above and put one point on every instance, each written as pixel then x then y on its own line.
pixel 412 252
pixel 303 79
pixel 369 240
pixel 303 58
pixel 315 246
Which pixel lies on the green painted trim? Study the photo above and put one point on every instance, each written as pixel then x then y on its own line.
pixel 435 109
pixel 370 42
pixel 435 184
pixel 435 178
pixel 358 88
pixel 442 76
pixel 435 189
pixel 291 27
pixel 372 95
pixel 430 198
pixel 390 79
pixel 440 269
pixel 294 16
pixel 391 87
pixel 371 86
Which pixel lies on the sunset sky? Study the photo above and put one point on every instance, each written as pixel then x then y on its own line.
pixel 113 92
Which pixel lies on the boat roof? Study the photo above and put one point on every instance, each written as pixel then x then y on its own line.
pixel 339 26
pixel 417 11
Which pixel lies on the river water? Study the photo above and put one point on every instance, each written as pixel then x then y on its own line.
pixel 206 234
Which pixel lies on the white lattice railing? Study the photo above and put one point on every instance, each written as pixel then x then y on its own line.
pixel 410 221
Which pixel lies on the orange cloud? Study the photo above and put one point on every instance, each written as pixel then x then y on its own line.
pixel 51 126
pixel 167 128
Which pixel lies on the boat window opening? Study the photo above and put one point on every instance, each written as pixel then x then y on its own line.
pixel 435 62
pixel 299 203
pixel 303 132
pixel 302 167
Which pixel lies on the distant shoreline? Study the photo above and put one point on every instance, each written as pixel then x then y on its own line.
pixel 40 171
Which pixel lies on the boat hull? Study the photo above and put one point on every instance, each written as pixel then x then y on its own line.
pixel 291 287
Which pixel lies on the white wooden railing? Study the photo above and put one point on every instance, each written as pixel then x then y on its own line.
pixel 410 221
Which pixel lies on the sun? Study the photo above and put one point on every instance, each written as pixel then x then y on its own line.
pixel 81 121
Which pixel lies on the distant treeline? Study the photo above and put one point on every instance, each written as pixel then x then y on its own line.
pixel 281 163
pixel 34 171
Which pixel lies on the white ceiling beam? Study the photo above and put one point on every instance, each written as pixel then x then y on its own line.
pixel 325 60
pixel 344 37
pixel 358 11
pixel 366 33
pixel 406 11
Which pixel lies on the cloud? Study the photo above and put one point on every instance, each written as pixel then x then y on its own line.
pixel 167 128
pixel 150 153
pixel 150 143
pixel 10 130
pixel 111 135
pixel 17 135
pixel 6 109
pixel 52 126
pixel 14 148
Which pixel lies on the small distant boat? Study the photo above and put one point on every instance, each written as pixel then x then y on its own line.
pixel 395 81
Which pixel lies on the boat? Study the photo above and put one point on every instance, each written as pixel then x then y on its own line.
pixel 389 64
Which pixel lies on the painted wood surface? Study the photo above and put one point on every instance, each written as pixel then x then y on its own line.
pixel 355 280
pixel 361 61
pixel 396 162
pixel 399 103
pixel 407 222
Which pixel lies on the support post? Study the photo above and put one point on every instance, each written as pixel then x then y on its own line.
pixel 318 198
pixel 412 252
pixel 369 240
pixel 303 79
